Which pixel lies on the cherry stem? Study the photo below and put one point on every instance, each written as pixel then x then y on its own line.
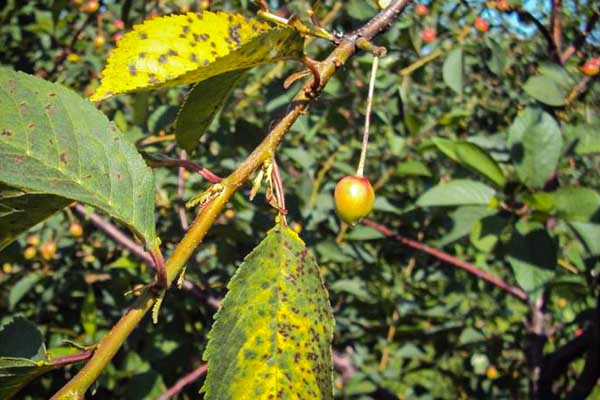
pixel 363 153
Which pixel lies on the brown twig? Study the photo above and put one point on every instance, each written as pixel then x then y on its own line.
pixel 72 358
pixel 578 89
pixel 440 255
pixel 580 39
pixel 184 381
pixel 556 25
pixel 115 234
pixel 528 17
pixel 189 165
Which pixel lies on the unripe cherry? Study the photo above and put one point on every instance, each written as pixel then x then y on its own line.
pixel 421 10
pixel 48 250
pixel 491 372
pixel 591 67
pixel 75 229
pixel 428 35
pixel 354 198
pixel 91 6
pixel 30 252
pixel 118 24
pixel 502 5
pixel 99 41
pixel 482 25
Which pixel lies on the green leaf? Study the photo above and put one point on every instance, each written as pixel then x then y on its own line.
pixel 22 287
pixel 15 373
pixel 550 87
pixel 487 232
pixel 497 62
pixel 54 143
pixel 20 338
pixel 456 193
pixel 88 314
pixel 462 221
pixel 453 70
pixel 533 257
pixel 545 90
pixel 273 334
pixel 181 49
pixel 22 356
pixel 20 210
pixel 572 204
pixel 535 144
pixel 588 233
pixel 412 168
pixel 584 138
pixel 201 106
pixel 472 156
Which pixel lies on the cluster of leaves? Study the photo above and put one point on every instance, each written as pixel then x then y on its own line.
pixel 477 149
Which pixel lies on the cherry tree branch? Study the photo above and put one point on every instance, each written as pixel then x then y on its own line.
pixel 447 258
pixel 184 381
pixel 581 37
pixel 556 25
pixel 112 342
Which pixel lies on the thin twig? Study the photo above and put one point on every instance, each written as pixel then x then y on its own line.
pixel 115 234
pixel 440 255
pixel 71 358
pixel 578 89
pixel 528 17
pixel 184 381
pixel 556 25
pixel 581 37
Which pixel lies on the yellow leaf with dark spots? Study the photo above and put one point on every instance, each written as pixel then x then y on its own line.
pixel 272 337
pixel 181 49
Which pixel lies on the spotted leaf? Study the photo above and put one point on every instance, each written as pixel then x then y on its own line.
pixel 55 145
pixel 272 337
pixel 182 49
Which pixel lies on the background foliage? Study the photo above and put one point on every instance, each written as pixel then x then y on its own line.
pixel 480 152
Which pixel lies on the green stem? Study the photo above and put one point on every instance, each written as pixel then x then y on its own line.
pixel 110 344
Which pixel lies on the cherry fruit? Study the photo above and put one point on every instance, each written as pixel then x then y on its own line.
pixel 421 10
pixel 428 35
pixel 354 198
pixel 482 25
pixel 591 67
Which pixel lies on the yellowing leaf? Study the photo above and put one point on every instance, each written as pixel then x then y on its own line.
pixel 272 337
pixel 182 49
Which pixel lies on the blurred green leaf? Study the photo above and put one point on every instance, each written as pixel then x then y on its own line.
pixel 533 257
pixel 453 70
pixel 535 144
pixel 456 193
pixel 473 157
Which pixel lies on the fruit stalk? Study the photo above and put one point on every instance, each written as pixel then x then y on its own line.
pixel 365 143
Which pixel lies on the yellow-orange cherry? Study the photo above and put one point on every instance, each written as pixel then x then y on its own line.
pixel 354 198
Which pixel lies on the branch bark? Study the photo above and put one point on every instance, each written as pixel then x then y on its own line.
pixel 110 344
pixel 580 39
pixel 440 255
pixel 556 25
